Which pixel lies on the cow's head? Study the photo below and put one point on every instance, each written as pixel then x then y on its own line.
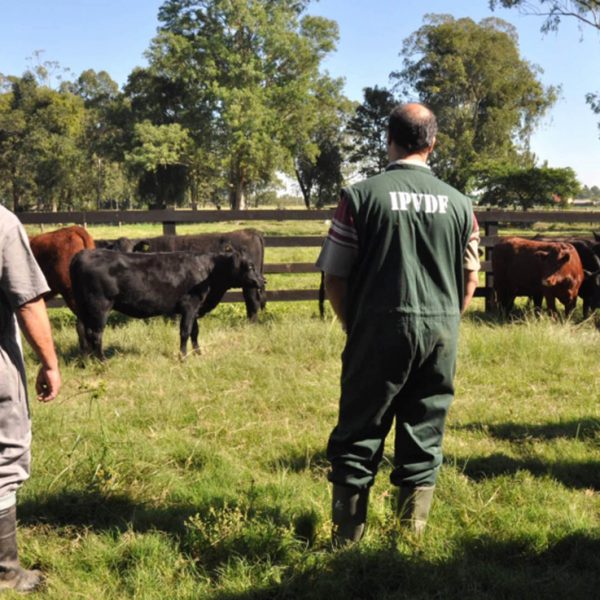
pixel 140 246
pixel 551 261
pixel 590 288
pixel 243 269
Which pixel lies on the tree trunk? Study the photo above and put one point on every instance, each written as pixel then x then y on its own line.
pixel 305 189
pixel 237 192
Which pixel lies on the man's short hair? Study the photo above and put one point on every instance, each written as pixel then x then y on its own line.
pixel 412 126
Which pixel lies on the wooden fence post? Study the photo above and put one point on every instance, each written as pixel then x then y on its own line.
pixel 169 228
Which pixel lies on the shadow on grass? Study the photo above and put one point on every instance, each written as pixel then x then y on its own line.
pixel 226 535
pixel 579 475
pixel 300 461
pixel 481 568
pixel 98 512
pixel 73 356
pixel 579 429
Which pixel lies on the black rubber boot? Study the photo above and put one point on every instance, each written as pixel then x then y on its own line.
pixel 12 575
pixel 349 514
pixel 413 507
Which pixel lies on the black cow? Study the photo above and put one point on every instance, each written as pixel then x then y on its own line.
pixel 122 244
pixel 249 241
pixel 151 284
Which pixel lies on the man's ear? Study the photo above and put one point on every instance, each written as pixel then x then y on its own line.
pixel 432 145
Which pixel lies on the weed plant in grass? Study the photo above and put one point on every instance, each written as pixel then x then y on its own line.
pixel 155 478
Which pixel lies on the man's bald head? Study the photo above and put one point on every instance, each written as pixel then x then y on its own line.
pixel 413 127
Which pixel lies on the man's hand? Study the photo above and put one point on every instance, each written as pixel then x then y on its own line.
pixel 34 323
pixel 47 384
pixel 337 288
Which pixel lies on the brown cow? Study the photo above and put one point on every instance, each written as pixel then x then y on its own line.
pixel 53 252
pixel 523 267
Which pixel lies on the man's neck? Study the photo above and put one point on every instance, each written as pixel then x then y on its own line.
pixel 411 161
pixel 395 153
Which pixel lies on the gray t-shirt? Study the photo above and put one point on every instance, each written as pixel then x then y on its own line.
pixel 21 280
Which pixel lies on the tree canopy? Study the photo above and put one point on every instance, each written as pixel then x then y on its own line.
pixel 585 11
pixel 486 97
pixel 367 143
pixel 516 187
pixel 242 77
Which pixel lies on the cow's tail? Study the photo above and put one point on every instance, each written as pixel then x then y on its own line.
pixel 261 267
pixel 86 239
pixel 322 296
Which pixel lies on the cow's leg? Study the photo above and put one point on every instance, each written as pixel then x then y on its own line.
pixel 506 304
pixel 195 346
pixel 537 303
pixel 586 308
pixel 188 318
pixel 570 306
pixel 94 339
pixel 93 323
pixel 252 300
pixel 83 344
pixel 551 303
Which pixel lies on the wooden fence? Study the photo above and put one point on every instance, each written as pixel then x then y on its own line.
pixel 490 222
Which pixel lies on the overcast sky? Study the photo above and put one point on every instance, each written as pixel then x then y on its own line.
pixel 112 35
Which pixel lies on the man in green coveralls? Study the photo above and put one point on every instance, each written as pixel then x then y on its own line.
pixel 400 263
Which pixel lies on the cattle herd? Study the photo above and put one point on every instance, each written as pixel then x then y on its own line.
pixel 188 275
pixel 550 268
pixel 168 275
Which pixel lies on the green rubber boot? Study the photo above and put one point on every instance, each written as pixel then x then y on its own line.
pixel 413 507
pixel 349 514
pixel 12 575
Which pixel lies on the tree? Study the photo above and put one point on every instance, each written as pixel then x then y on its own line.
pixel 108 133
pixel 40 144
pixel 367 131
pixel 527 187
pixel 585 11
pixel 487 99
pixel 242 76
pixel 318 157
pixel 161 159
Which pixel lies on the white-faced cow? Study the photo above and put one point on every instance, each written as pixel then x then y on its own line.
pixel 249 241
pixel 150 284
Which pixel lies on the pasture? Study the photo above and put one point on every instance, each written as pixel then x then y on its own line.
pixel 154 478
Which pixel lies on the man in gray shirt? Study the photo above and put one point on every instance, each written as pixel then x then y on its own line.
pixel 22 286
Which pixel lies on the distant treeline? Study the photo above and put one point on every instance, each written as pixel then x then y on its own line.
pixel 234 98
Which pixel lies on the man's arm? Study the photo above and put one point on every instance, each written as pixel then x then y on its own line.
pixel 33 321
pixel 471 283
pixel 336 288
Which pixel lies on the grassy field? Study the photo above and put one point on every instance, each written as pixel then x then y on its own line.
pixel 155 478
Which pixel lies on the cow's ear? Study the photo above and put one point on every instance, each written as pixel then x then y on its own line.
pixel 142 246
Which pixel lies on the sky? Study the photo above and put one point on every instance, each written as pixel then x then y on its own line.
pixel 112 35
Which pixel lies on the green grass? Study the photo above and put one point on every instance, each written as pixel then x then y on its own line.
pixel 155 478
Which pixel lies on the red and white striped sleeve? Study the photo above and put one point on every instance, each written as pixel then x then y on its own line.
pixel 340 249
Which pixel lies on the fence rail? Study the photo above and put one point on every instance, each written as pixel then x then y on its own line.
pixel 489 220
